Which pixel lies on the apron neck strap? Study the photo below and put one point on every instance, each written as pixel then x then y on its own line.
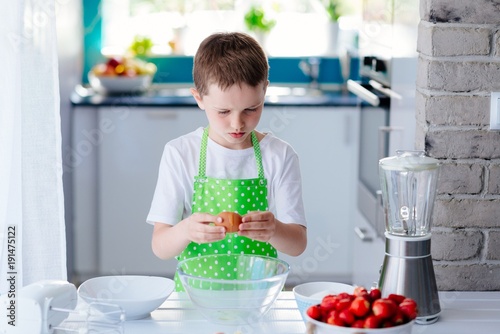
pixel 203 155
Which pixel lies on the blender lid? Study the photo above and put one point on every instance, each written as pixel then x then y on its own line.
pixel 409 160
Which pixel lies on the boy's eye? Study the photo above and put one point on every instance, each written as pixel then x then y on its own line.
pixel 223 112
pixel 251 109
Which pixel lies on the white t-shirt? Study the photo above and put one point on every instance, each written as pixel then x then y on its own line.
pixel 179 165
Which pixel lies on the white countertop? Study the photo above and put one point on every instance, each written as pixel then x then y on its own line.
pixel 462 313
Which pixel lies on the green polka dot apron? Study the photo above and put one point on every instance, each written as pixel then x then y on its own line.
pixel 212 195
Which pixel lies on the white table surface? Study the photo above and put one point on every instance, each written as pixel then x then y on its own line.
pixel 462 312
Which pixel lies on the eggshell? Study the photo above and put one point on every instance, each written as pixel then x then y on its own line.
pixel 230 220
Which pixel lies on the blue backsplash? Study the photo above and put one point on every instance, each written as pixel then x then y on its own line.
pixel 282 70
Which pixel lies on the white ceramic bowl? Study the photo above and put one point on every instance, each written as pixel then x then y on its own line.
pixel 136 295
pixel 318 327
pixel 241 296
pixel 308 294
pixel 109 84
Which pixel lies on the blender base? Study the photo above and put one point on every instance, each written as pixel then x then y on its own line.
pixel 427 320
pixel 408 270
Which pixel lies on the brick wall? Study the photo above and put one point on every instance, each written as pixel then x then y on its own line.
pixel 459 66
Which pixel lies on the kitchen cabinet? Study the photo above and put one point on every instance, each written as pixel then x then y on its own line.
pixel 326 140
pixel 118 151
pixel 368 253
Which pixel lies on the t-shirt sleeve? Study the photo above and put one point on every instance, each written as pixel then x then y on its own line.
pixel 170 193
pixel 288 191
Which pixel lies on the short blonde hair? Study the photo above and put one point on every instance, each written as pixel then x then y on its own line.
pixel 226 59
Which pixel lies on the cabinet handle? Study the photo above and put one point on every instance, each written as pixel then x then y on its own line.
pixel 361 233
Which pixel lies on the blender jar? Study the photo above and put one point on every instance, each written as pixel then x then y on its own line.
pixel 408 182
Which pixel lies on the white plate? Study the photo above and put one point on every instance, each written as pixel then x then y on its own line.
pixel 137 295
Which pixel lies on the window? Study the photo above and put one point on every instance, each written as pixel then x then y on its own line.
pixel 177 26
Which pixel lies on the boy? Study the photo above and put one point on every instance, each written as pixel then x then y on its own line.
pixel 228 166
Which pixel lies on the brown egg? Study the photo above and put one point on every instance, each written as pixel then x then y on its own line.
pixel 230 220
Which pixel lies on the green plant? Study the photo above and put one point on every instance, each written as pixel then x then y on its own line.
pixel 256 20
pixel 141 46
pixel 332 8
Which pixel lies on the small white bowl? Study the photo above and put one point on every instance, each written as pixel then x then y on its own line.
pixel 308 294
pixel 137 295
pixel 318 327
pixel 113 84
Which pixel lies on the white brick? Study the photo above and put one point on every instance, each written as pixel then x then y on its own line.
pixel 456 245
pixel 442 40
pixel 462 213
pixel 463 144
pixel 459 75
pixel 453 109
pixel 463 178
pixel 463 11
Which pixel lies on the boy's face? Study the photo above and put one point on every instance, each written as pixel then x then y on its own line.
pixel 233 113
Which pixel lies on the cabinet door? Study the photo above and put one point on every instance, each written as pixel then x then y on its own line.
pixel 129 155
pixel 368 253
pixel 326 141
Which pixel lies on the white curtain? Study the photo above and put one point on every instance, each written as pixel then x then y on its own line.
pixel 32 229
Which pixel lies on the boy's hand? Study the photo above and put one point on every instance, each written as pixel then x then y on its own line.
pixel 258 225
pixel 198 228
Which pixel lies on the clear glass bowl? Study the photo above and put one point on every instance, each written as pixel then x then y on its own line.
pixel 241 293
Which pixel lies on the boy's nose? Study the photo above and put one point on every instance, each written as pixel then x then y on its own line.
pixel 237 123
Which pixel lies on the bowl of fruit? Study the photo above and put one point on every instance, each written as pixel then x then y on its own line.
pixel 122 75
pixel 362 312
pixel 311 293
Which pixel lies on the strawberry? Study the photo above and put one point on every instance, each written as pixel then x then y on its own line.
pixel 347 317
pixel 359 290
pixel 409 307
pixel 375 294
pixel 345 295
pixel 314 312
pixel 359 323
pixel 343 304
pixel 399 317
pixel 384 308
pixel 396 298
pixel 334 319
pixel 371 322
pixel 329 302
pixel 360 307
pixel 387 324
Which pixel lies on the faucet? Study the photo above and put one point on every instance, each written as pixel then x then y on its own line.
pixel 310 67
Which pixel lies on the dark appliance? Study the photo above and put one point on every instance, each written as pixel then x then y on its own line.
pixel 386 89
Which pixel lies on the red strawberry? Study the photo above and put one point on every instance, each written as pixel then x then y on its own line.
pixel 344 295
pixel 359 323
pixel 387 324
pixel 409 308
pixel 329 302
pixel 375 294
pixel 384 308
pixel 371 322
pixel 360 307
pixel 314 312
pixel 359 290
pixel 347 317
pixel 343 304
pixel 396 298
pixel 334 319
pixel 399 317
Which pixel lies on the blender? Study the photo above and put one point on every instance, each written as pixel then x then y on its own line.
pixel 408 181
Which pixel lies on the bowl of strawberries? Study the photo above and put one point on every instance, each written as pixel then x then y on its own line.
pixel 362 312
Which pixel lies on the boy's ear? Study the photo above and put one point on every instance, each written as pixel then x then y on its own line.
pixel 198 98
